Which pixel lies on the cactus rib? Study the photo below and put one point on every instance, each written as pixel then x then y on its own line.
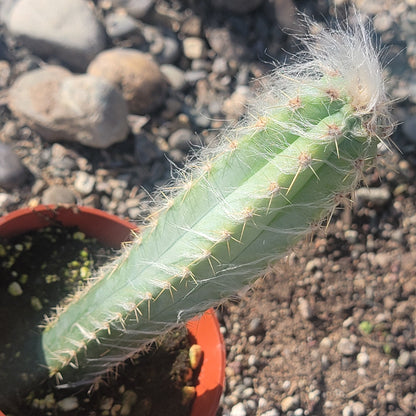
pixel 237 209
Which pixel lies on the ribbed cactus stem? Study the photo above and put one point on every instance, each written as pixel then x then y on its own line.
pixel 239 207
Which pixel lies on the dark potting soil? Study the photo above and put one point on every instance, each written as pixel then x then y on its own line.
pixel 37 270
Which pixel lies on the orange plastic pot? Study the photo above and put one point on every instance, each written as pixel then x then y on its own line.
pixel 112 231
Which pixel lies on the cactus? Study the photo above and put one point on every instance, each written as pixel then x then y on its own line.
pixel 235 208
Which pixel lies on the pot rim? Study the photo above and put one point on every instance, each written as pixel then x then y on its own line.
pixel 113 231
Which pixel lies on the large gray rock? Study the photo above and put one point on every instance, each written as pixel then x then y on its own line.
pixel 65 29
pixel 62 106
pixel 137 75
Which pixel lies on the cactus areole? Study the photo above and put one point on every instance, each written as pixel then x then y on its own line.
pixel 235 208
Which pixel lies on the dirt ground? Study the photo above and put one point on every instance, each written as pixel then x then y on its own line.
pixel 331 329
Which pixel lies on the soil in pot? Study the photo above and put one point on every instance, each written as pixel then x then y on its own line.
pixel 37 270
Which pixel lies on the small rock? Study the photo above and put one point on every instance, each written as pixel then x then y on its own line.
pixel 65 29
pixel 404 359
pixel 272 412
pixel 289 403
pixel 305 309
pixel 314 395
pixel 12 171
pixel 192 26
pixel 128 401
pixel 68 404
pixel 58 194
pixel 390 397
pixel 121 25
pixel 136 74
pixel 409 401
pixel 347 411
pixel 15 289
pixel 164 47
pixel 84 183
pixel 255 327
pixel 62 106
pixel 247 393
pixel 358 409
pixel 238 410
pixel 135 8
pixel 194 48
pixel 346 347
pixel 252 360
pixel 227 44
pixel 298 412
pixel 351 236
pixel 182 139
pixel 363 359
pixel 325 344
pixel 174 75
pixel 376 196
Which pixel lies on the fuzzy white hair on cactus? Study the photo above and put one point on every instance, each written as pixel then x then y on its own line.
pixel 237 206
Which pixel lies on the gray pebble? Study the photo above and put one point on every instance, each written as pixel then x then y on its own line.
pixel 84 183
pixel 12 171
pixel 346 347
pixel 68 404
pixel 174 75
pixel 63 29
pixel 58 194
pixel 135 8
pixel 404 359
pixel 59 105
pixel 227 44
pixel 255 327
pixel 192 77
pixel 182 139
pixel 120 25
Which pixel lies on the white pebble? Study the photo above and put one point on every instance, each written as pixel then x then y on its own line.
pixel 252 360
pixel 363 359
pixel 358 409
pixel 238 410
pixel 262 402
pixel 346 347
pixel 347 411
pixel 272 412
pixel 404 359
pixel 325 344
pixel 67 404
pixel 289 403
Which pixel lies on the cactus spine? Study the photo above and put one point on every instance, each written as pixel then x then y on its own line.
pixel 237 208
